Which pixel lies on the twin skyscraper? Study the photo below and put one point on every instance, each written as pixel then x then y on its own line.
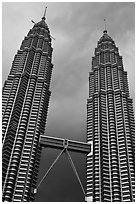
pixel 110 121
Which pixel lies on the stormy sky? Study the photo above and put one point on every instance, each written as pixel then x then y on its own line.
pixel 76 28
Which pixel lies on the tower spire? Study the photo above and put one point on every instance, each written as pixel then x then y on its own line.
pixel 43 18
pixel 105 31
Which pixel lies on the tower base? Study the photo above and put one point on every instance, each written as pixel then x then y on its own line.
pixel 89 199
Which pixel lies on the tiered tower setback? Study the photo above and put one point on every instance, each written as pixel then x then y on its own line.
pixel 110 128
pixel 25 100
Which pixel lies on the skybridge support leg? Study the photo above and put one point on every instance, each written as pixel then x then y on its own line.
pixel 65 145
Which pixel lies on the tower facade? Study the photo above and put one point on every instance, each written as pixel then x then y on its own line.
pixel 110 128
pixel 25 100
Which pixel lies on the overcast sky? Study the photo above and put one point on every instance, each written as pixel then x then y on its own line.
pixel 76 27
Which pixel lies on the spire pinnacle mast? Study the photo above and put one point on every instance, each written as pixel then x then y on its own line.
pixel 105 31
pixel 43 18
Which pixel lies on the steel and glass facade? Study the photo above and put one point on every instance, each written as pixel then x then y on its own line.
pixel 110 128
pixel 25 100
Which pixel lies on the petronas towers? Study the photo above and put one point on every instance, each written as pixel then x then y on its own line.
pixel 110 128
pixel 25 104
pixel 110 121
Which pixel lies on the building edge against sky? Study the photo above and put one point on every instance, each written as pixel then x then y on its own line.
pixel 110 128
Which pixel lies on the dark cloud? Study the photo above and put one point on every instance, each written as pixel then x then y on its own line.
pixel 76 27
